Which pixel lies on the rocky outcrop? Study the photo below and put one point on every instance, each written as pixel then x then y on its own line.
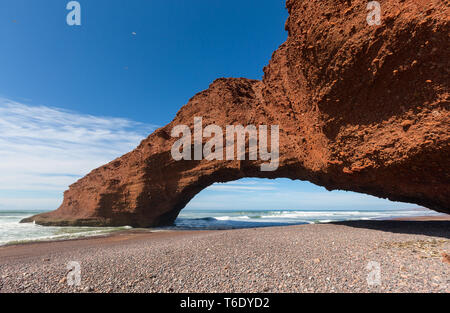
pixel 361 108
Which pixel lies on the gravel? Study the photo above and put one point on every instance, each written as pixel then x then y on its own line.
pixel 306 258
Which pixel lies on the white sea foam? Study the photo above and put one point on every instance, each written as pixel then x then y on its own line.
pixel 11 231
pixel 211 219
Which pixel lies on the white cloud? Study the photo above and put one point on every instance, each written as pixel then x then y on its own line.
pixel 46 149
pixel 282 195
pixel 239 187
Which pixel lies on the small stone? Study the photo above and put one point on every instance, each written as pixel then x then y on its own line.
pixel 445 257
pixel 406 124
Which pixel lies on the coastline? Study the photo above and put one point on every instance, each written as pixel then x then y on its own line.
pixel 328 257
pixel 138 232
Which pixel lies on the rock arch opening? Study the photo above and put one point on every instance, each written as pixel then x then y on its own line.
pixel 253 202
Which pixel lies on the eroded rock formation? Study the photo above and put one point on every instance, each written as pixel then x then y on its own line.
pixel 361 108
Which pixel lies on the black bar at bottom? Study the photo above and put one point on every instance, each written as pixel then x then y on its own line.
pixel 220 302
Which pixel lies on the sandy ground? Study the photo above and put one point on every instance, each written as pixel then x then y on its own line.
pixel 306 258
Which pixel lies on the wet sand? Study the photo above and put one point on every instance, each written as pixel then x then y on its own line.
pixel 306 258
pixel 443 217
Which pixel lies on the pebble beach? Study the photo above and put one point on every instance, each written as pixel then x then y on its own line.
pixel 412 257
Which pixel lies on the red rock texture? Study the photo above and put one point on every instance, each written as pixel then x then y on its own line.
pixel 361 108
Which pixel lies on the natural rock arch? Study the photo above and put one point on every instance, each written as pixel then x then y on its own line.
pixel 361 108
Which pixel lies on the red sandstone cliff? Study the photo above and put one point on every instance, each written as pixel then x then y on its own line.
pixel 361 108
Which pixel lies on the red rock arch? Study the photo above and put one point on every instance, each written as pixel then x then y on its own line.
pixel 360 108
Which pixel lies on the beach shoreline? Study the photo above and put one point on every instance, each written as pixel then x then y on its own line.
pixel 328 257
pixel 138 232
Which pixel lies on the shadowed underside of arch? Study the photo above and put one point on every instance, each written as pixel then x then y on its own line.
pixel 361 108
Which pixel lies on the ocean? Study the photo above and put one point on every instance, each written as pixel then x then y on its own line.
pixel 11 231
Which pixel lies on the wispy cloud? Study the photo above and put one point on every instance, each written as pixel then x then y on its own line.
pixel 262 194
pixel 269 200
pixel 239 187
pixel 45 149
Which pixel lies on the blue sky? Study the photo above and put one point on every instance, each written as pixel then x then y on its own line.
pixel 75 97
